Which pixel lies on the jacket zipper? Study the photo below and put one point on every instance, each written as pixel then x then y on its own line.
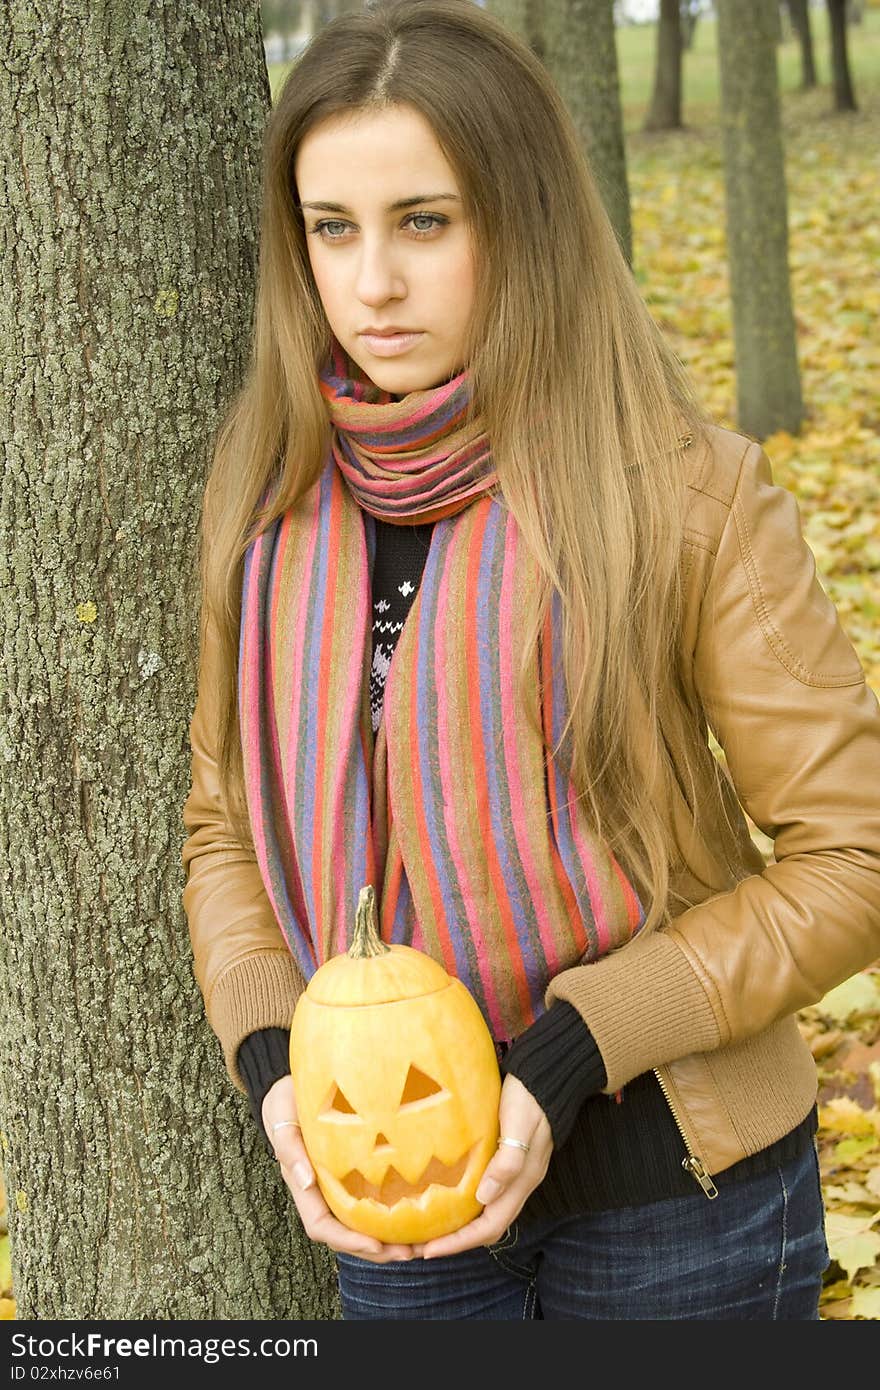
pixel 692 1164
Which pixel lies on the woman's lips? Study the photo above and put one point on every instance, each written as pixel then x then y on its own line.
pixel 392 344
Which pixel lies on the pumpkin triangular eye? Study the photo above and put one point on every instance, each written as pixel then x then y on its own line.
pixel 417 1086
pixel 338 1102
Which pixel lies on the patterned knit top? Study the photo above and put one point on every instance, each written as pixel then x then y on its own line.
pixel 397 570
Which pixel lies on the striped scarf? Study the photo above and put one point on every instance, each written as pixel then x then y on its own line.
pixel 471 835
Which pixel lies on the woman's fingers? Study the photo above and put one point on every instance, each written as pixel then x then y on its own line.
pixel 290 1151
pixel 512 1173
pixel 320 1224
pixel 485 1229
pixel 503 1168
pixel 498 1212
pixel 525 1136
pixel 282 1127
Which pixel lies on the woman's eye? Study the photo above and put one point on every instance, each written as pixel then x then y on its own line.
pixel 322 227
pixel 431 217
pixel 325 229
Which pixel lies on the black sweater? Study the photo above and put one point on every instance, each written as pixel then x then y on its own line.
pixel 609 1151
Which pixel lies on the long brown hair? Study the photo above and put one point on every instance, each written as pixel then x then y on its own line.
pixel 584 403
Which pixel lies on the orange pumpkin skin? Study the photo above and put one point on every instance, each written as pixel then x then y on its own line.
pixel 397 1089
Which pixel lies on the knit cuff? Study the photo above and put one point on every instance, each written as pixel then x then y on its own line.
pixel 558 1060
pixel 263 1057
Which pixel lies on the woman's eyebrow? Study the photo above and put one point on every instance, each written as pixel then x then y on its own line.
pixel 392 207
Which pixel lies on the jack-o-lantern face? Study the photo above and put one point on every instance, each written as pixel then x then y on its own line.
pixel 397 1098
pixel 421 1094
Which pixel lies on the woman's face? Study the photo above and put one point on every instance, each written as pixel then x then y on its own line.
pixel 388 244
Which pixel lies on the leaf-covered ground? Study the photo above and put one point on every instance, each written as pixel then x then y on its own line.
pixel 844 1035
pixel 833 467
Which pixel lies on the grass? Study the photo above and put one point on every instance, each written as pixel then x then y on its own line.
pixel 700 80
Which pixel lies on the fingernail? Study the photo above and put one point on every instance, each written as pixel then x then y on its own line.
pixel 487 1189
pixel 303 1174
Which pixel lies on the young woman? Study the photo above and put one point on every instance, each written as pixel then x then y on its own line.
pixel 480 575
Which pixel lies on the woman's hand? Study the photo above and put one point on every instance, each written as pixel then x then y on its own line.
pixel 509 1177
pixel 319 1223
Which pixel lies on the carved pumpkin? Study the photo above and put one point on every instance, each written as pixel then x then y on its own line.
pixel 397 1088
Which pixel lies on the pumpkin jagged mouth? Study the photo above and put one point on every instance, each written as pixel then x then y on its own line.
pixel 394 1187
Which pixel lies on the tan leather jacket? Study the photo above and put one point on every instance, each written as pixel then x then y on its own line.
pixel 709 1003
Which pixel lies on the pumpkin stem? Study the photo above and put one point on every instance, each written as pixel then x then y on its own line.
pixel 366 940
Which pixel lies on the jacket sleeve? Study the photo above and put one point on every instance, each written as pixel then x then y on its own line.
pixel 786 696
pixel 244 969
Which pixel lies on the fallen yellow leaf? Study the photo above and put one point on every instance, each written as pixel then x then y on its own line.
pixel 843 1115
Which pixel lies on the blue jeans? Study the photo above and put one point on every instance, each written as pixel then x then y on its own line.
pixel 756 1251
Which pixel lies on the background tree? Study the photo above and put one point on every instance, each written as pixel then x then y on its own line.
pixel 281 16
pixel 664 113
pixel 138 1184
pixel 774 18
pixel 689 11
pixel 767 374
pixel 799 14
pixel 581 56
pixel 525 18
pixel 844 94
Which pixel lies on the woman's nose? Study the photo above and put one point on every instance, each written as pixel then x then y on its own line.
pixel 378 275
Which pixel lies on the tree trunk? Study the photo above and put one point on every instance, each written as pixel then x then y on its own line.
pixel 844 96
pixel 138 1185
pixel 582 59
pixel 688 16
pixel 800 22
pixel 307 18
pixel 512 14
pixel 768 380
pixel 775 19
pixel 525 18
pixel 535 27
pixel 664 112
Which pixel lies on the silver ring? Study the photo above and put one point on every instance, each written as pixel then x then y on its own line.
pixel 279 1124
pixel 514 1144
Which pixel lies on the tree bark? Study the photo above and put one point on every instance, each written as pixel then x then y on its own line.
pixel 535 27
pixel 525 18
pixel 512 14
pixel 775 19
pixel 664 112
pixel 800 22
pixel 689 14
pixel 768 379
pixel 582 59
pixel 844 95
pixel 138 1185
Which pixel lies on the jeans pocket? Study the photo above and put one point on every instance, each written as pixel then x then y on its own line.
pixel 507 1241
